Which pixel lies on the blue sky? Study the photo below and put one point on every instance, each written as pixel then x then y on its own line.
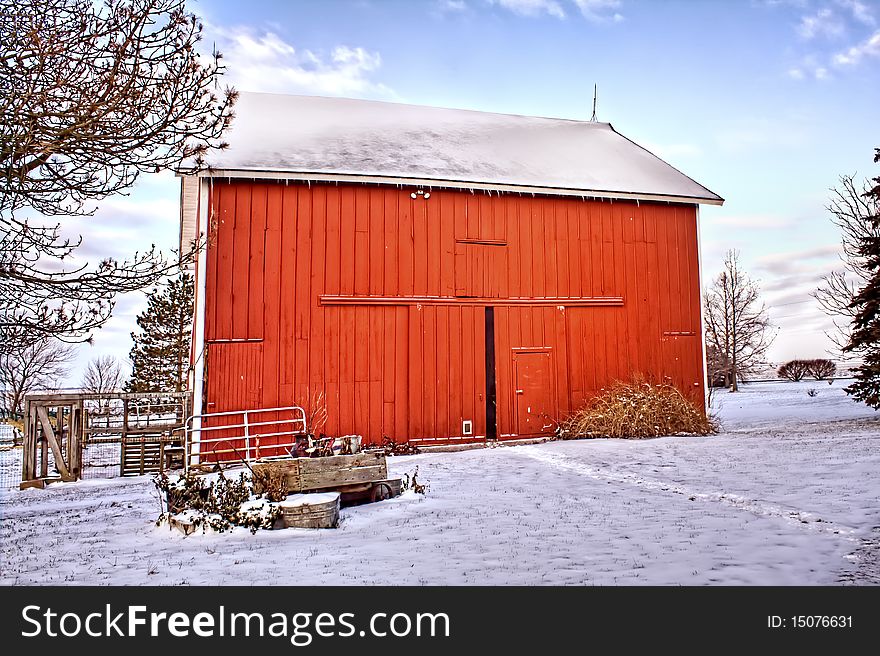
pixel 764 102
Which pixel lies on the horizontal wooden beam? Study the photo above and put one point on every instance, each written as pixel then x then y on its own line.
pixel 248 340
pixel 327 299
pixel 482 242
pixel 66 398
pixel 153 429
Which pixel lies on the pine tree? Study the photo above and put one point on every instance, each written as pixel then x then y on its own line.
pixel 160 355
pixel 866 323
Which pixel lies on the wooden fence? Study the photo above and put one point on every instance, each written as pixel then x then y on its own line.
pixel 60 427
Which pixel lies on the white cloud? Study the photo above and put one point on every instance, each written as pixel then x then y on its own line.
pixel 852 56
pixel 824 23
pixel 755 221
pixel 259 60
pixel 442 7
pixel 809 67
pixel 779 3
pixel 811 261
pixel 597 11
pixel 600 10
pixel 859 11
pixel 532 7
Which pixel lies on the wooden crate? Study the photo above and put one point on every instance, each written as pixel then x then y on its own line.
pixel 310 474
pixel 311 510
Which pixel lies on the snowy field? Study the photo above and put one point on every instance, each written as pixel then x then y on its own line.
pixel 787 494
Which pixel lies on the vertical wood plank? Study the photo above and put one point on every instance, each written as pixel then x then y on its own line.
pixel 287 285
pixel 256 263
pixel 376 247
pixel 241 261
pixel 272 296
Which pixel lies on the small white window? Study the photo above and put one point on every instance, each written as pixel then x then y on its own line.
pixel 467 427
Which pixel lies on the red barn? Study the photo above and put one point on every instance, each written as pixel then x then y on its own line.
pixel 438 274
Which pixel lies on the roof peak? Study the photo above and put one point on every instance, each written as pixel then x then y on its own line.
pixel 396 103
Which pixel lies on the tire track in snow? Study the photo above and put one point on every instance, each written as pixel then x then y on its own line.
pixel 756 507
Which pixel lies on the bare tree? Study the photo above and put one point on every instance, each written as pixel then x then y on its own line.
pixel 737 325
pixel 851 208
pixel 91 95
pixel 41 365
pixel 822 368
pixel 794 370
pixel 103 374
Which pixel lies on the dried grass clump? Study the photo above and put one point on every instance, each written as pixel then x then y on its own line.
pixel 637 410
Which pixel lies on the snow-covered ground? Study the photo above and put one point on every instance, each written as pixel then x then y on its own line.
pixel 786 494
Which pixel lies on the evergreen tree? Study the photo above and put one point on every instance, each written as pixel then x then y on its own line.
pixel 160 355
pixel 866 323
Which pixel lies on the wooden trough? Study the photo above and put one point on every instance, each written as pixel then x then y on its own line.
pixel 319 510
pixel 359 478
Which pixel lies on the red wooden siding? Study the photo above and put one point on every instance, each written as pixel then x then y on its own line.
pixel 376 300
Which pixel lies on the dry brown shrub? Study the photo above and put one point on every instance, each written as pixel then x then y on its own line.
pixel 316 412
pixel 637 410
pixel 270 480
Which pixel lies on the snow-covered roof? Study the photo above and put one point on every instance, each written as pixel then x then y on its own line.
pixel 307 137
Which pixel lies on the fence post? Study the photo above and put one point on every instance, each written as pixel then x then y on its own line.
pixel 125 411
pixel 75 443
pixel 247 439
pixel 29 451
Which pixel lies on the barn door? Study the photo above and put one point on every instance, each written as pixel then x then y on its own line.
pixel 233 382
pixel 683 365
pixel 533 392
pixel 233 376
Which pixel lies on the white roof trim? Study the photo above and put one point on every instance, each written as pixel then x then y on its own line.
pixel 448 184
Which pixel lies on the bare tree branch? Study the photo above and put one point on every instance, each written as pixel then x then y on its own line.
pixel 38 366
pixel 103 374
pixel 851 208
pixel 91 96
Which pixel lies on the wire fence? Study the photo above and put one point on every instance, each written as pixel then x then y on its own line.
pixel 102 458
pixel 10 459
